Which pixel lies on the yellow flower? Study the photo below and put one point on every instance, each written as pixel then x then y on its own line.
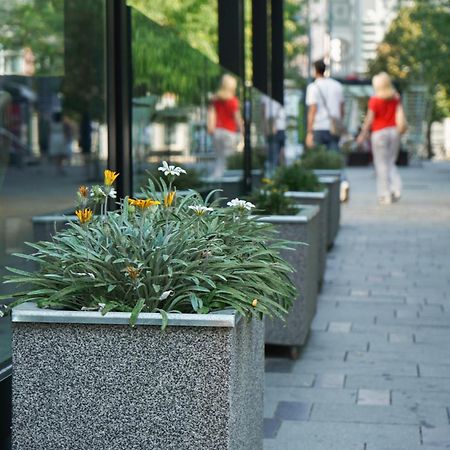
pixel 110 177
pixel 84 191
pixel 84 215
pixel 267 181
pixel 169 198
pixel 254 302
pixel 145 203
pixel 132 272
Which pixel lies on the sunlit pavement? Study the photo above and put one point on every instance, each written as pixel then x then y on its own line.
pixel 375 373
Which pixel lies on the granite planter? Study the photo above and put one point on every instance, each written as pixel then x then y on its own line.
pixel 44 227
pixel 328 173
pixel 319 199
pixel 84 381
pixel 333 183
pixel 303 227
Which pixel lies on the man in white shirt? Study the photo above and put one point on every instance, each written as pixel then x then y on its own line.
pixel 325 100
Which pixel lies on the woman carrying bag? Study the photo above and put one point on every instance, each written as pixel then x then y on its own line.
pixel 386 120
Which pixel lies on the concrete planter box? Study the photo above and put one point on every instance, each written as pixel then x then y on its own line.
pixel 83 381
pixel 44 227
pixel 333 183
pixel 319 199
pixel 328 173
pixel 303 227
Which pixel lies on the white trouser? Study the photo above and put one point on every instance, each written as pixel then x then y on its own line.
pixel 224 143
pixel 385 147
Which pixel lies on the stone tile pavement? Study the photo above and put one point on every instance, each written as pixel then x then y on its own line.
pixel 375 373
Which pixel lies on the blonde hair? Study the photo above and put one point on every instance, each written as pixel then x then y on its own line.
pixel 382 86
pixel 228 86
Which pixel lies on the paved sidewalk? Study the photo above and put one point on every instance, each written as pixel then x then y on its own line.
pixel 375 373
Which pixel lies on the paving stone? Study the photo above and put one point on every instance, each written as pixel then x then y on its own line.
pixel 345 436
pixel 389 415
pixel 413 398
pixel 436 370
pixel 357 368
pixel 438 436
pixel 273 395
pixel 398 338
pixel 329 380
pixel 339 327
pixel 373 397
pixel 271 427
pixel 293 410
pixel 395 382
pixel 295 380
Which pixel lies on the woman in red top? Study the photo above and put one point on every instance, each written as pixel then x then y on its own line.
pixel 383 118
pixel 224 122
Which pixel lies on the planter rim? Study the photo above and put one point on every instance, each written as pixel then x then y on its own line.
pixel 53 218
pixel 304 216
pixel 306 194
pixel 328 171
pixel 30 312
pixel 329 178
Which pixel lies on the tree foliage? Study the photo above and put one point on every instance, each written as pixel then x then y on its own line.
pixel 162 62
pixel 295 42
pixel 35 24
pixel 416 49
pixel 194 21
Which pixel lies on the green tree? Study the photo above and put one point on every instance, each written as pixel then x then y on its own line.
pixel 415 50
pixel 38 25
pixel 194 21
pixel 295 40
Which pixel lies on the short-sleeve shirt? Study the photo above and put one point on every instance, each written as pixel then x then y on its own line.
pixel 325 93
pixel 225 113
pixel 384 111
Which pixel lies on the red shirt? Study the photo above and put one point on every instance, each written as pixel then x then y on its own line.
pixel 225 112
pixel 384 110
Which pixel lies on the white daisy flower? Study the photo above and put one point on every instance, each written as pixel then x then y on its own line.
pixel 112 193
pixel 240 204
pixel 171 170
pixel 200 210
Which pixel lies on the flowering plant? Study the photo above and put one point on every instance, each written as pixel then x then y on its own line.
pixel 296 178
pixel 270 199
pixel 161 253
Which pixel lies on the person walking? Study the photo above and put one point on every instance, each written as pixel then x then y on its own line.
pixel 274 121
pixel 325 101
pixel 224 123
pixel 386 119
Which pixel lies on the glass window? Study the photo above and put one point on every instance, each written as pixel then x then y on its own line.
pixel 52 119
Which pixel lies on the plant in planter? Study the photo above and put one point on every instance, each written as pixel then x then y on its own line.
pixel 321 159
pixel 297 178
pixel 163 261
pixel 192 179
pixel 270 199
pixel 295 223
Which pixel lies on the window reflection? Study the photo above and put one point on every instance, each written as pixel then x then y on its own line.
pixel 52 117
pixel 175 94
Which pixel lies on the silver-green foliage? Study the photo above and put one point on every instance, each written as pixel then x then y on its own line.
pixel 161 259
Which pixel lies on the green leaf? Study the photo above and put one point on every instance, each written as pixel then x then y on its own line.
pixel 136 311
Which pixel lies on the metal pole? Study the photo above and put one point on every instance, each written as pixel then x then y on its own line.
pixel 119 79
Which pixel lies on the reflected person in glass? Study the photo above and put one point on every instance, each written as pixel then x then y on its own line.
pixel 224 123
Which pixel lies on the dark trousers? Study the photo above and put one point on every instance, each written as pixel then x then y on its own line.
pixel 325 138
